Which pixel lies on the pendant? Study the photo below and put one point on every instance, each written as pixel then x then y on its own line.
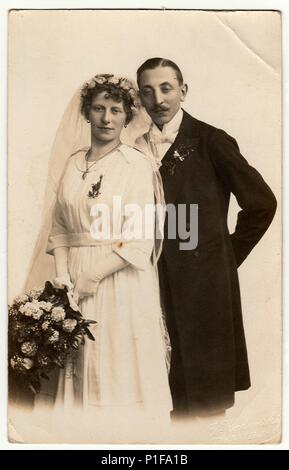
pixel 95 189
pixel 84 174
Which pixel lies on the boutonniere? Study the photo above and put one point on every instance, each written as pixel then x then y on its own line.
pixel 178 156
pixel 95 189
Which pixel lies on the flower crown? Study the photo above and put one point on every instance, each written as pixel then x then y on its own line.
pixel 121 83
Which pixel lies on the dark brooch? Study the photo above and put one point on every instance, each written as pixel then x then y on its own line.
pixel 95 189
pixel 178 156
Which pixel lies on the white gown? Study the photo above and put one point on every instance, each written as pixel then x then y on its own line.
pixel 123 373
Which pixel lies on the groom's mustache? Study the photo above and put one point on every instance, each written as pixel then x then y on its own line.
pixel 156 109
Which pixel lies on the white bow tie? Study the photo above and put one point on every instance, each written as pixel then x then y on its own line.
pixel 159 138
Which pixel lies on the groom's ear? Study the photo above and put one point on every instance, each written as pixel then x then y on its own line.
pixel 184 91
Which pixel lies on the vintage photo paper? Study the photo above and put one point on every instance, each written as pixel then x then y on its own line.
pixel 153 339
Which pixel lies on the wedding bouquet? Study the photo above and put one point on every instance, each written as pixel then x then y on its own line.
pixel 44 327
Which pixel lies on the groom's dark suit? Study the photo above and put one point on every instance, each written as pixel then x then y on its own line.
pixel 200 288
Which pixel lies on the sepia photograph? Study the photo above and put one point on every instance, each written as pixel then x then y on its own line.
pixel 144 227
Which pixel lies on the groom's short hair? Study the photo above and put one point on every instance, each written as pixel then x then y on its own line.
pixel 155 62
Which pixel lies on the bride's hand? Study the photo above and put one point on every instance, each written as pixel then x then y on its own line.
pixel 86 284
pixel 62 281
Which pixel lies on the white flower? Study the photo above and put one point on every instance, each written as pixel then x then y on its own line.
pixel 91 84
pixel 68 325
pixel 29 348
pixel 114 80
pixel 26 309
pixel 27 363
pixel 13 362
pixel 54 337
pixel 58 314
pixel 31 309
pixel 21 299
pixel 126 84
pixel 19 363
pixel 47 306
pixel 37 315
pixel 35 293
pixel 100 79
pixel 45 325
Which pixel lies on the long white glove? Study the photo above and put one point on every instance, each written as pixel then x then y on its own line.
pixel 63 278
pixel 88 281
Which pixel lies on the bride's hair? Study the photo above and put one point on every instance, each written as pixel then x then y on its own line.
pixel 118 88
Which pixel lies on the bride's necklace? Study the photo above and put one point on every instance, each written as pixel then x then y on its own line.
pixel 88 167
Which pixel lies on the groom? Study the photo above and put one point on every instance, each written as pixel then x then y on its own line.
pixel 199 287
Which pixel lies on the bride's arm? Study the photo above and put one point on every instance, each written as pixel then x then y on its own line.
pixel 60 260
pixel 58 246
pixel 61 268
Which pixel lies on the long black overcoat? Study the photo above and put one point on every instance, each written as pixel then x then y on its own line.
pixel 200 287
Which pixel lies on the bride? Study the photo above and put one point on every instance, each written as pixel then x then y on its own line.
pixel 107 262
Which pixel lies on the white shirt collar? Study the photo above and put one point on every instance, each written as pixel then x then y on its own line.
pixel 170 127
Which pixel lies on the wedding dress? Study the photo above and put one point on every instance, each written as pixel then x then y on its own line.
pixel 122 375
